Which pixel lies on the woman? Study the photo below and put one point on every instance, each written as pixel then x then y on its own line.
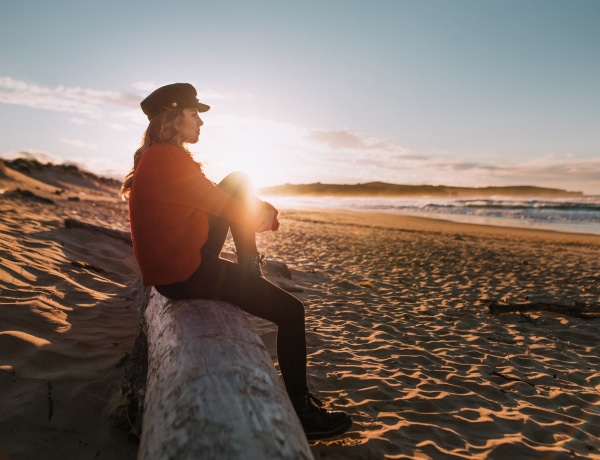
pixel 179 222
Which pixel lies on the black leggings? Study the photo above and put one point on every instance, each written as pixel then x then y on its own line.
pixel 219 279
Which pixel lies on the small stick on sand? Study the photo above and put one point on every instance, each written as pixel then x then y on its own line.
pixel 512 379
pixel 118 234
pixel 50 406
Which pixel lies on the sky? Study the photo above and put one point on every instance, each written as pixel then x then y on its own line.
pixel 437 92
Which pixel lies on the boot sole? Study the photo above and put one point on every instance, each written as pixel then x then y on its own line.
pixel 331 433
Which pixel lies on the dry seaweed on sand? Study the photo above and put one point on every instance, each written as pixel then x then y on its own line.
pixel 584 311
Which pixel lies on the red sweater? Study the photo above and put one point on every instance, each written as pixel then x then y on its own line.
pixel 169 204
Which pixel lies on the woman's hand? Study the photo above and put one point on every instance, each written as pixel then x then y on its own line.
pixel 267 219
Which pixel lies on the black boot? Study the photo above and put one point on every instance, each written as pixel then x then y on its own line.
pixel 319 423
pixel 251 264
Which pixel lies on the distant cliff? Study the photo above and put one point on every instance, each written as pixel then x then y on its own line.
pixel 385 189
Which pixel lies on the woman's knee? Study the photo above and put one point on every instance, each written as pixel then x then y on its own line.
pixel 237 184
pixel 294 308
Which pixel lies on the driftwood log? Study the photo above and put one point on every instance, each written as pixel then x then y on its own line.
pixel 213 391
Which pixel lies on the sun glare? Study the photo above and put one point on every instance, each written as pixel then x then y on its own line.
pixel 263 149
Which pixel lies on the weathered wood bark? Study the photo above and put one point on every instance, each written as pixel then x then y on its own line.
pixel 212 389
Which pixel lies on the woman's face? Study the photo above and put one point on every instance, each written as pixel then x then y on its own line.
pixel 191 126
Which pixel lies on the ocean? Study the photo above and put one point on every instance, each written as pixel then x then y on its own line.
pixel 569 214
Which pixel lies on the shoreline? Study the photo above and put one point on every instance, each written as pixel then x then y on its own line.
pixel 430 224
pixel 536 213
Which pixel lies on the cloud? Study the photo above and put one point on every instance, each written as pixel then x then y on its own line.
pixel 38 155
pixel 145 86
pixel 413 157
pixel 567 172
pixel 344 139
pixel 117 126
pixel 461 166
pixel 541 168
pixel 343 153
pixel 573 170
pixel 78 143
pixel 76 99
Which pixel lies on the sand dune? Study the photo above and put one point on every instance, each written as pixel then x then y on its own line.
pixel 63 327
pixel 398 327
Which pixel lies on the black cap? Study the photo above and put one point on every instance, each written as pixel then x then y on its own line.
pixel 177 95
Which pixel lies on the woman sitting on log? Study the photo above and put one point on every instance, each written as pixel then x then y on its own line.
pixel 179 223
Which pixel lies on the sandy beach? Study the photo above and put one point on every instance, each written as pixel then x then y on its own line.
pixel 399 329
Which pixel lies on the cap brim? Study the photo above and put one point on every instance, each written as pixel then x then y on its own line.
pixel 202 107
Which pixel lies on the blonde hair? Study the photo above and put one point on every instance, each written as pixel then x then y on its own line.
pixel 164 128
